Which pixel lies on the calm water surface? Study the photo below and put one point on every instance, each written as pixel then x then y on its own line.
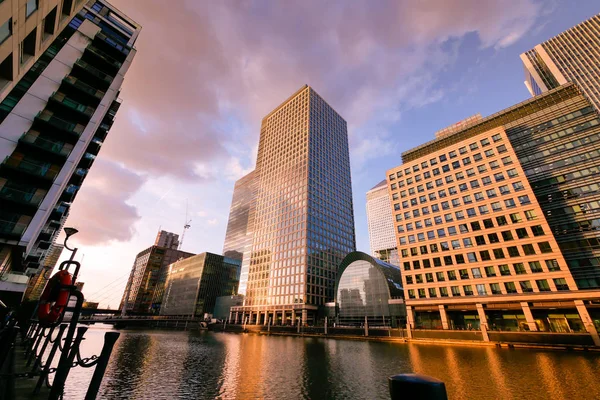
pixel 190 365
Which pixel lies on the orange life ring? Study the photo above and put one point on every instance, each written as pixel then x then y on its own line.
pixel 55 298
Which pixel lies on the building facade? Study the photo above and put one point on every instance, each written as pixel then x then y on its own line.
pixel 240 227
pixel 303 224
pixel 37 283
pixel 572 56
pixel 146 284
pixel 194 284
pixel 62 65
pixel 382 238
pixel 497 223
pixel 368 290
pixel 168 240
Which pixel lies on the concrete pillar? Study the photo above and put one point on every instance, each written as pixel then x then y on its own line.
pixel 294 317
pixel 410 317
pixel 366 326
pixel 236 317
pixel 325 326
pixel 230 316
pixel 587 321
pixel 444 316
pixel 483 325
pixel 529 316
pixel 304 316
pixel 283 319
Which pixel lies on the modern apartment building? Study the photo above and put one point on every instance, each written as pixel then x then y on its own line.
pixel 37 283
pixel 572 56
pixel 194 284
pixel 303 223
pixel 497 224
pixel 240 227
pixel 167 239
pixel 145 287
pixel 382 238
pixel 62 64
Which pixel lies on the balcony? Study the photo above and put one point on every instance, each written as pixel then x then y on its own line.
pixel 46 234
pixel 58 212
pixel 123 50
pixel 36 169
pixel 86 161
pixel 73 129
pixel 72 105
pixel 107 58
pixel 94 146
pixel 68 195
pixel 84 87
pixel 22 197
pixel 32 138
pixel 11 229
pixel 94 71
pixel 78 176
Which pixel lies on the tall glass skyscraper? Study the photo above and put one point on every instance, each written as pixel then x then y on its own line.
pixel 382 238
pixel 303 222
pixel 238 239
pixel 572 56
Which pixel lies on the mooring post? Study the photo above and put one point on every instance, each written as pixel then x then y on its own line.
pixel 414 386
pixel 269 325
pixel 110 338
pixel 366 326
pixel 325 326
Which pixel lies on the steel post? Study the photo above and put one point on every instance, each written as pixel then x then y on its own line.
pixel 110 338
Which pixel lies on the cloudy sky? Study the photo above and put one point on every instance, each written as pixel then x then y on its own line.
pixel 206 72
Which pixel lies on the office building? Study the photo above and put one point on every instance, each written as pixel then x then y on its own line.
pixel 37 283
pixel 240 227
pixel 223 306
pixel 368 290
pixel 303 223
pixel 145 287
pixel 167 240
pixel 382 238
pixel 194 284
pixel 62 65
pixel 496 223
pixel 572 56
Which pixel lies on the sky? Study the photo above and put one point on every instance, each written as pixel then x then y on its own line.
pixel 206 72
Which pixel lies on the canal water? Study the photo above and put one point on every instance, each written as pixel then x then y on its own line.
pixel 203 365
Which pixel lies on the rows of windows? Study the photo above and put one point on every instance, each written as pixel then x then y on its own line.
pixel 525 286
pixel 485 272
pixel 471 257
pixel 453 154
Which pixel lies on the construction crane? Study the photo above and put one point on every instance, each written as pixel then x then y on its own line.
pixel 186 226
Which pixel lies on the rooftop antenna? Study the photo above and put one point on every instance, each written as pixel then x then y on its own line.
pixel 186 226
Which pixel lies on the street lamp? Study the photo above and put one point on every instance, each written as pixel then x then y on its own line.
pixel 70 232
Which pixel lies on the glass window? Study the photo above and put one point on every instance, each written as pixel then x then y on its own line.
pixel 507 235
pixel 530 215
pixel 501 220
pixel 501 149
pixel 510 287
pixel 455 291
pixel 462 150
pixel 513 251
pixel 509 203
pixel 444 292
pixel 497 137
pixel 5 30
pixel 481 290
pixel 451 275
pixel 552 265
pixel 528 249
pixel 522 233
pixel 515 218
pixel 526 286
pixel 432 292
pixel 495 288
pixel 498 254
pixel 504 269
pixel 545 247
pixel 467 242
pixel 473 146
pixel 490 272
pixel 484 142
pixel 485 255
pixel 471 257
pixel 535 266
pixel 31 6
pixel 468 289
pixel 524 200
pixel 561 284
pixel 476 273
pixel 519 268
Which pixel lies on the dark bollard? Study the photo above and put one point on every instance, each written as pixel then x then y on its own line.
pixel 110 339
pixel 413 386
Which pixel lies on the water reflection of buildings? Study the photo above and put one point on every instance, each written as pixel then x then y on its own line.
pixel 367 288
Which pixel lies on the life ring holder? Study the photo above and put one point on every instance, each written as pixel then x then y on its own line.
pixel 55 299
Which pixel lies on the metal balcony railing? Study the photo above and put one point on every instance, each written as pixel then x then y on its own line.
pixel 105 56
pixel 31 137
pixel 59 123
pixel 42 170
pixel 94 71
pixel 29 198
pixel 73 105
pixel 71 80
pixel 12 228
pixel 123 49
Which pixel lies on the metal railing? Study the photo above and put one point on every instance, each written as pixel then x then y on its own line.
pixel 71 80
pixel 59 123
pixel 63 149
pixel 105 56
pixel 93 70
pixel 43 170
pixel 30 198
pixel 73 105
